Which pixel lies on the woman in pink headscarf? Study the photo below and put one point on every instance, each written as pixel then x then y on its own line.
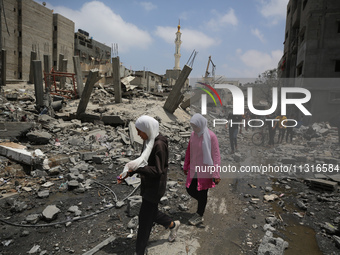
pixel 202 155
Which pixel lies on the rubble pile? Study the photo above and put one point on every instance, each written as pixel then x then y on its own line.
pixel 59 169
pixel 305 193
pixel 55 171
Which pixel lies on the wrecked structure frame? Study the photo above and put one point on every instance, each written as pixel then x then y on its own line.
pixel 51 84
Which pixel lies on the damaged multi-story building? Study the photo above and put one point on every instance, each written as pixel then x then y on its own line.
pixel 31 27
pixel 31 31
pixel 312 55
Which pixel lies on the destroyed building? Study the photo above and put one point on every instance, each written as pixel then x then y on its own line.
pixel 90 51
pixel 25 20
pixel 311 50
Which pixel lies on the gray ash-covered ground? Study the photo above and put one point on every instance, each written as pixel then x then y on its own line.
pixel 237 212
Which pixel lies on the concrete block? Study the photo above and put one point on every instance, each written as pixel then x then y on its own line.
pixel 133 205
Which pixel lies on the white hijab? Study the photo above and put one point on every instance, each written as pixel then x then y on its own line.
pixel 201 122
pixel 150 126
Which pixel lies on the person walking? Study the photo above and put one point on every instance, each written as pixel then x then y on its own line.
pixel 271 130
pixel 281 124
pixel 290 128
pixel 202 151
pixel 233 130
pixel 152 166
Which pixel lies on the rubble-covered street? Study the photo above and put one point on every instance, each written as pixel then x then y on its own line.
pixel 59 193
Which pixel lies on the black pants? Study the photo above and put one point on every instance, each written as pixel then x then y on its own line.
pixel 282 132
pixel 290 133
pixel 201 196
pixel 149 214
pixel 271 133
pixel 233 138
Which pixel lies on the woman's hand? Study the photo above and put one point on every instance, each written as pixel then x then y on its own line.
pixel 120 179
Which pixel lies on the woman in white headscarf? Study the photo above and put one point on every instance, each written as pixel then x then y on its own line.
pixel 202 154
pixel 152 166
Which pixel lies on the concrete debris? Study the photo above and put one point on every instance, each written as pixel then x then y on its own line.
pixel 133 205
pixel 33 218
pixel 337 241
pixel 19 153
pixel 271 245
pixel 65 153
pixel 35 249
pixel 50 213
pixel 133 223
pixel 43 193
pixel 330 229
pixel 270 198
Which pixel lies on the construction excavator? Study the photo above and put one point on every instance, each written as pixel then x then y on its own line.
pixel 212 69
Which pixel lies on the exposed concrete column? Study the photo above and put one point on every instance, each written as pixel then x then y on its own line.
pixel 85 96
pixel 3 68
pixel 60 68
pixel 191 100
pixel 64 70
pixel 147 82
pixel 79 75
pixel 31 76
pixel 116 79
pixel 175 97
pixel 60 63
pixel 38 83
pixel 47 69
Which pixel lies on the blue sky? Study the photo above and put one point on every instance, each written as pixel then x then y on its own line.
pixel 243 37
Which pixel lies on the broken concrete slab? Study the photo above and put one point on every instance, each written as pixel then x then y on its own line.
pixel 39 137
pixel 271 245
pixel 50 212
pixel 99 246
pixel 14 129
pixel 107 120
pixel 17 153
pixel 322 184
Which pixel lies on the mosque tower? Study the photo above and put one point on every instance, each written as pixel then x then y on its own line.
pixel 178 47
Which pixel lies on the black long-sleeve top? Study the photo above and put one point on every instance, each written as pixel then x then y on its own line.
pixel 154 175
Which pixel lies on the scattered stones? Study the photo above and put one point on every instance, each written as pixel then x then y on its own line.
pixel 33 218
pixel 270 198
pixel 271 245
pixel 43 193
pixel 133 223
pixel 133 205
pixel 50 212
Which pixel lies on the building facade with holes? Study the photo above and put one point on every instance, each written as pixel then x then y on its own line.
pixel 311 56
pixel 90 51
pixel 29 26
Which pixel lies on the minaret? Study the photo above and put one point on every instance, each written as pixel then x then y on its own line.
pixel 178 47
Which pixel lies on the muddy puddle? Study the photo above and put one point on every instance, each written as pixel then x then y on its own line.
pixel 301 238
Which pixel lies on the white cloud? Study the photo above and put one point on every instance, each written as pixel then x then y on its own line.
pixel 274 10
pixel 148 6
pixel 191 39
pixel 223 20
pixel 258 34
pixel 107 26
pixel 257 62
